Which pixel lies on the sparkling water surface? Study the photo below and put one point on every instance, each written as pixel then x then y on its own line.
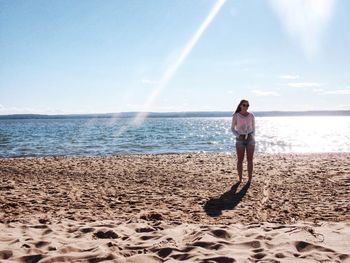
pixel 107 136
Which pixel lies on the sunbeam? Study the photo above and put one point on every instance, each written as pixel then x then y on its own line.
pixel 171 70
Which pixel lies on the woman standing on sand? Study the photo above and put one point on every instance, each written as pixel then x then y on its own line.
pixel 243 127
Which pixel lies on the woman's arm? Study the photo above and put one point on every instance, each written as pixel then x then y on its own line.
pixel 253 133
pixel 233 124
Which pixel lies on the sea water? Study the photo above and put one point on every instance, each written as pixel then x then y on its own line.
pixel 110 136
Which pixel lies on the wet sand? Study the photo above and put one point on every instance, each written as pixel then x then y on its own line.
pixel 175 207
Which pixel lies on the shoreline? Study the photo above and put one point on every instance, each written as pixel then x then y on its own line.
pixel 231 153
pixel 171 207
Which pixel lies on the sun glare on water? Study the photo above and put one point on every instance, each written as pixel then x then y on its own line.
pixel 302 134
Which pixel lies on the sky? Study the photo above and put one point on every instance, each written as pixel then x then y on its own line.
pixel 63 57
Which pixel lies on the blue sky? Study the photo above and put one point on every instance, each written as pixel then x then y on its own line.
pixel 62 56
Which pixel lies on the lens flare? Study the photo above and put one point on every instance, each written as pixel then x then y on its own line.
pixel 171 70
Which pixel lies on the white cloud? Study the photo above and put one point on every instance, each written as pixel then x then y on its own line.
pixel 343 107
pixel 176 108
pixel 262 93
pixel 8 110
pixel 335 92
pixel 136 106
pixel 289 77
pixel 304 84
pixel 303 107
pixel 305 21
pixel 17 110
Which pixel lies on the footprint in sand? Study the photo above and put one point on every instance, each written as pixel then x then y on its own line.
pixel 6 254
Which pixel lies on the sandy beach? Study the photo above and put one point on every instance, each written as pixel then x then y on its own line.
pixel 175 207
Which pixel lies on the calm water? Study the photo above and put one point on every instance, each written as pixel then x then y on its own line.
pixel 30 137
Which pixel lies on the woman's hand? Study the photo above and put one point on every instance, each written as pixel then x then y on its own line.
pixel 241 137
pixel 250 137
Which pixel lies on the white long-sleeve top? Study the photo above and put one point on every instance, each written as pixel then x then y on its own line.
pixel 243 125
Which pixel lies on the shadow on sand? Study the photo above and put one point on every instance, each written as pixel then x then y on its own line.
pixel 227 201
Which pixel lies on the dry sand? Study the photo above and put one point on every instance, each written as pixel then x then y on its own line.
pixel 180 207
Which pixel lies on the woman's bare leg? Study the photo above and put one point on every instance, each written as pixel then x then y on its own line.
pixel 240 149
pixel 250 155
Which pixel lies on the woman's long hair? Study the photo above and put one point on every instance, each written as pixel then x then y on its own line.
pixel 239 105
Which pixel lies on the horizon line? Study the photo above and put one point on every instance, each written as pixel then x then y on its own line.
pixel 178 113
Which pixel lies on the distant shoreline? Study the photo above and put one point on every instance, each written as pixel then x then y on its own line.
pixel 176 114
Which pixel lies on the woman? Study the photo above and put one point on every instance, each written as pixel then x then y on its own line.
pixel 243 127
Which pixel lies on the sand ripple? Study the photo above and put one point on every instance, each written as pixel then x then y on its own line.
pixel 170 208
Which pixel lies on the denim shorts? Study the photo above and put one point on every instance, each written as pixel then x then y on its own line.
pixel 244 143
